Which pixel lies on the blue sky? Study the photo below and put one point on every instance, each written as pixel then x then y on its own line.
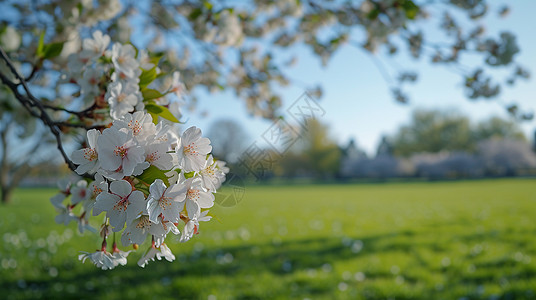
pixel 357 99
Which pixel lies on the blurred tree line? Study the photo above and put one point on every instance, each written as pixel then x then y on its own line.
pixel 435 131
pixel 434 144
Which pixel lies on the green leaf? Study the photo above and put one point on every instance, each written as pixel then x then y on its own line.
pixel 155 57
pixel 207 5
pixel 52 50
pixel 147 76
pixel 143 188
pixel 153 173
pixel 189 175
pixel 373 14
pixel 45 51
pixel 149 94
pixel 160 111
pixel 80 7
pixel 154 108
pixel 335 40
pixel 104 60
pixel 195 13
pixel 411 9
pixel 40 45
pixel 161 74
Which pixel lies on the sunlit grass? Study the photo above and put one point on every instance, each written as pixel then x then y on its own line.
pixel 472 239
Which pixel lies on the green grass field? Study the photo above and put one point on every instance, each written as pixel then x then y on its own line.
pixel 451 240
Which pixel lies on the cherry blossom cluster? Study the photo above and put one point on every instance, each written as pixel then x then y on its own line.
pixel 114 78
pixel 150 179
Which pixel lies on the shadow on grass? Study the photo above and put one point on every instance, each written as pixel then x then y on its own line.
pixel 240 268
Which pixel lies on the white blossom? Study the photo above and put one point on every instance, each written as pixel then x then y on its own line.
pixel 119 152
pixel 121 204
pixel 95 188
pixel 177 87
pixel 165 201
pixel 101 259
pixel 122 98
pixel 120 155
pixel 123 58
pixel 79 192
pixel 196 197
pixel 65 190
pixel 211 175
pixel 140 123
pixel 192 150
pixel 89 82
pixel 163 252
pixel 160 230
pixel 149 256
pixel 166 253
pixel 136 231
pixel 165 133
pixel 119 257
pixel 64 215
pixel 83 223
pixel 145 60
pixel 156 154
pixel 87 158
pixel 192 226
pixel 95 47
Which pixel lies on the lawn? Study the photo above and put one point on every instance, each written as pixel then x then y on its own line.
pixel 447 240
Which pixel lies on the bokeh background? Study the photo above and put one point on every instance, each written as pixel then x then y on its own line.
pixel 370 189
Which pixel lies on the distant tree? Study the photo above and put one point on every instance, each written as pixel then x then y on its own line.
pixel 228 139
pixel 385 147
pixel 379 167
pixel 506 157
pixel 35 144
pixel 352 151
pixel 433 131
pixel 15 165
pixel 496 127
pixel 314 154
pixel 454 164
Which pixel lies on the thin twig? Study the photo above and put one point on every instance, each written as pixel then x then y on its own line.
pixel 34 71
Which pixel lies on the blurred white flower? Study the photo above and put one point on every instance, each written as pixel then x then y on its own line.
pixel 153 253
pixel 122 98
pixel 79 192
pixel 65 190
pixel 123 58
pixel 101 259
pixel 95 47
pixel 64 215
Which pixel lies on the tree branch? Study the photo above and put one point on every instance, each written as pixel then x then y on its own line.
pixel 30 102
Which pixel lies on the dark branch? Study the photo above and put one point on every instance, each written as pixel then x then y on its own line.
pixel 34 71
pixel 34 106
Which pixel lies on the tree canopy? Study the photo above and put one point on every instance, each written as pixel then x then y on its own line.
pixel 238 45
pixel 434 131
